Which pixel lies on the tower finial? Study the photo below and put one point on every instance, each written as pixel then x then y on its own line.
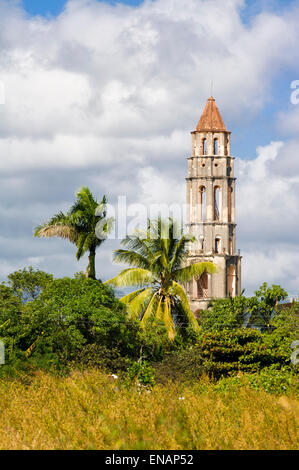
pixel 211 119
pixel 211 94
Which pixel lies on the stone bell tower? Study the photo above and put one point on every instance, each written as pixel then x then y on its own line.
pixel 211 210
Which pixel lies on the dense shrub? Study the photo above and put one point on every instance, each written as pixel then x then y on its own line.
pixel 284 327
pixel 261 307
pixel 221 354
pixel 236 312
pixel 142 373
pixel 28 283
pixel 182 365
pixel 78 321
pixel 238 350
pixel 55 324
pixel 107 359
pixel 270 379
pixel 224 313
pixel 68 315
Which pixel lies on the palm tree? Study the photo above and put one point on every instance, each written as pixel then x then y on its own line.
pixel 85 225
pixel 158 260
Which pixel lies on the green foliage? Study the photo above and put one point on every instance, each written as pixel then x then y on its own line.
pixel 220 354
pixel 85 225
pixel 241 311
pixel 57 324
pixel 283 330
pixel 231 351
pixel 158 259
pixel 281 381
pixel 9 302
pixel 67 316
pixel 285 322
pixel 80 275
pixel 141 372
pixel 28 283
pixel 181 366
pixel 10 308
pixel 274 380
pixel 260 308
pixel 107 359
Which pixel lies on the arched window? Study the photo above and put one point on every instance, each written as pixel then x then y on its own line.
pixel 204 146
pixel 217 244
pixel 201 241
pixel 229 203
pixel 216 146
pixel 202 286
pixel 230 246
pixel 203 203
pixel 190 208
pixel 217 206
pixel 228 167
pixel 231 281
pixel 225 144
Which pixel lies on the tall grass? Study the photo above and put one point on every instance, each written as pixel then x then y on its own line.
pixel 88 411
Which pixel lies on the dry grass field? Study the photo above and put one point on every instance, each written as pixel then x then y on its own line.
pixel 88 411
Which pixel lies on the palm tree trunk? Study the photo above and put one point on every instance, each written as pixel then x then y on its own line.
pixel 91 268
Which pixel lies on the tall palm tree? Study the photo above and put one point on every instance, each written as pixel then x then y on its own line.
pixel 85 224
pixel 158 260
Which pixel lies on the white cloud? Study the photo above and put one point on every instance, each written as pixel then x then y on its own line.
pixel 274 266
pixel 268 218
pixel 125 71
pixel 159 187
pixel 288 121
pixel 267 200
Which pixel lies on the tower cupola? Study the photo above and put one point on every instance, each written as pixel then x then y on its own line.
pixel 211 209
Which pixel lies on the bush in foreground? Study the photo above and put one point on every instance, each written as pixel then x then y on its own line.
pixel 220 354
pixel 67 316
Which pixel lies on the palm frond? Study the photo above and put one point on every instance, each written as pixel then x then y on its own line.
pixel 150 310
pixel 186 273
pixel 138 243
pixel 132 258
pixel 60 231
pixel 132 277
pixel 89 242
pixel 80 245
pixel 138 304
pixel 178 291
pixel 168 319
pixel 158 256
pixel 128 297
pixel 179 252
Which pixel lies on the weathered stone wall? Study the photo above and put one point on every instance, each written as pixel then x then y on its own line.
pixel 211 183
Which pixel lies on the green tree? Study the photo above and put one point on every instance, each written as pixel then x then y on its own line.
pixel 68 315
pixel 224 314
pixel 284 328
pixel 286 320
pixel 10 307
pixel 262 306
pixel 85 224
pixel 28 283
pixel 159 257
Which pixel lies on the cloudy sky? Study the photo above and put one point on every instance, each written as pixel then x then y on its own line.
pixel 105 94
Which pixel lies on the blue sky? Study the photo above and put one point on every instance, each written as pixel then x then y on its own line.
pixel 262 126
pixel 54 7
